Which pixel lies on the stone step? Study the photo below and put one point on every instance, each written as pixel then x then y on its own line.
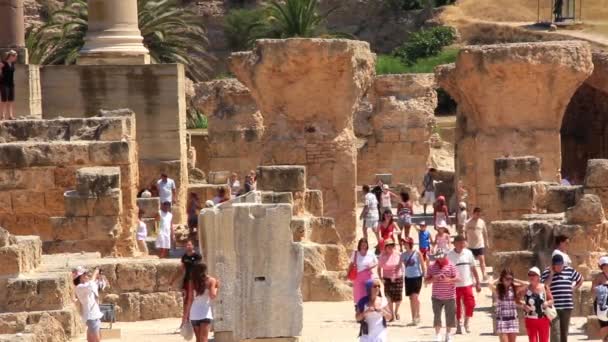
pixel 36 292
pixel 105 247
pixel 22 256
pixel 327 286
pixel 322 257
pixel 16 322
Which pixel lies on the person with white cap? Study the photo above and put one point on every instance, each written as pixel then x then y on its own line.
pixel 562 280
pixel 536 298
pixel 87 293
pixel 444 277
pixel 385 198
pixel 600 305
pixel 461 218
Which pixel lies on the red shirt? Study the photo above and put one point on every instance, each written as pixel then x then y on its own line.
pixel 442 289
pixel 387 232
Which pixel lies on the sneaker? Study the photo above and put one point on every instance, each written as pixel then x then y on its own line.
pixel 417 320
pixel 449 338
pixel 438 338
pixel 459 329
pixel 467 329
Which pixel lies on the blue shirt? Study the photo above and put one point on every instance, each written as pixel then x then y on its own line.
pixel 424 238
pixel 413 268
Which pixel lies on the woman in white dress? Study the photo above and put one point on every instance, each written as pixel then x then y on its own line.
pixel 373 313
pixel 165 231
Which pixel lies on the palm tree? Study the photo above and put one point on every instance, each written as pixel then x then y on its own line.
pixel 173 34
pixel 296 18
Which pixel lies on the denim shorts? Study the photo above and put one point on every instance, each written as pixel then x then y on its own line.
pixel 197 322
pixel 94 325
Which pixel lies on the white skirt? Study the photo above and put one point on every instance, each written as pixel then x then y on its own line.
pixel 163 241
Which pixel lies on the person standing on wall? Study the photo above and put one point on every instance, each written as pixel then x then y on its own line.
pixel 199 306
pixel 166 189
pixel 562 280
pixel 189 259
pixel 7 86
pixel 561 247
pixel 464 261
pixel 165 231
pixel 142 233
pixel 370 214
pixel 428 196
pixel 476 234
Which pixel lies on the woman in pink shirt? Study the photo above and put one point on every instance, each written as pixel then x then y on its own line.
pixel 390 270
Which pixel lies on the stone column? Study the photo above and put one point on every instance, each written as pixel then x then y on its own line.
pixel 511 101
pixel 307 91
pixel 113 36
pixel 12 32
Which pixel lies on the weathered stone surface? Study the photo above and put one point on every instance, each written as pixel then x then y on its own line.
pixel 510 235
pixel 597 173
pixel 150 206
pixel 160 305
pixel 249 246
pixel 277 197
pixel 517 170
pixel 519 262
pixel 5 238
pixel 23 255
pixel 219 177
pixel 281 178
pixel 97 181
pixel 136 277
pixel 559 198
pixel 600 71
pixel 311 126
pixel 323 230
pixel 314 202
pixel 103 228
pixel 588 210
pixel 48 329
pixel 526 122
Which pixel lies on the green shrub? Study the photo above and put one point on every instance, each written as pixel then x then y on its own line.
pixel 243 27
pixel 425 43
pixel 196 119
pixel 439 3
pixel 387 64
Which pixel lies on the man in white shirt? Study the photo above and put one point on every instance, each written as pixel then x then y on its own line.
pixel 561 247
pixel 166 189
pixel 370 215
pixel 87 293
pixel 464 261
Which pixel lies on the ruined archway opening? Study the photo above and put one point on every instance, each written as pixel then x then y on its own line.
pixel 584 132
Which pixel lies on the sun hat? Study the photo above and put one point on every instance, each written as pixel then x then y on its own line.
pixel 534 270
pixel 78 271
pixel 389 242
pixel 603 261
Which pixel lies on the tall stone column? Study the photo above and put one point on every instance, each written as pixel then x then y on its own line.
pixel 307 91
pixel 511 102
pixel 12 32
pixel 113 36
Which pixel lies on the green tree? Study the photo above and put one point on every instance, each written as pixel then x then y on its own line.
pixel 243 26
pixel 172 33
pixel 296 18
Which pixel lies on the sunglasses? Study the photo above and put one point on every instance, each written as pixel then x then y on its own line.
pixel 376 286
pixel 532 275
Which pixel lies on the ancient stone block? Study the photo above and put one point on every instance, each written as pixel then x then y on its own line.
pixel 161 305
pixel 277 197
pixel 127 306
pixel 206 192
pixel 597 173
pixel 138 277
pixel 560 198
pixel 21 293
pixel 75 204
pixel 6 203
pixel 509 235
pixel 165 271
pixel 11 262
pixel 12 322
pixel 110 153
pixel 300 228
pixel 323 230
pixel 69 228
pixel 517 170
pixel 109 204
pixel 28 202
pixel 103 227
pixel 53 293
pixel 219 177
pixel 314 202
pixel 519 262
pixel 150 206
pixel 54 202
pixel 326 287
pixel 385 178
pixel 588 210
pixel 104 247
pixel 97 181
pixel 65 177
pixel 335 257
pixel 5 238
pixel 282 178
pixel 48 329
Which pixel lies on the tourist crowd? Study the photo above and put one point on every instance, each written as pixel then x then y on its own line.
pixel 447 264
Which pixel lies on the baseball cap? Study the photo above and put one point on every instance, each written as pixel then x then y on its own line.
pixel 604 260
pixel 422 223
pixel 557 259
pixel 534 270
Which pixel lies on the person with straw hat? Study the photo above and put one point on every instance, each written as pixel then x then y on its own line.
pixel 391 273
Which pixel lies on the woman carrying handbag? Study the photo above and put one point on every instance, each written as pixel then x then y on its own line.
pixel 364 262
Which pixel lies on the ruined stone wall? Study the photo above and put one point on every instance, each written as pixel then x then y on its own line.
pixel 307 91
pixel 396 128
pixel 156 93
pixel 38 163
pixel 235 129
pixel 511 100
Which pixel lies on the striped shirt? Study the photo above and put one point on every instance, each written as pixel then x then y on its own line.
pixel 562 286
pixel 443 289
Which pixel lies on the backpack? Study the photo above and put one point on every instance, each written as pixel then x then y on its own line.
pixel 601 302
